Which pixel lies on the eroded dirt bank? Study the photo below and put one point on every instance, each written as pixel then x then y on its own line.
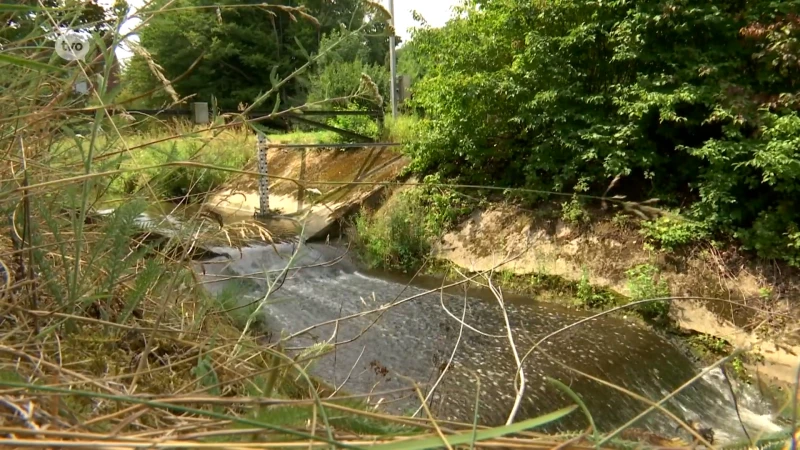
pixel 761 314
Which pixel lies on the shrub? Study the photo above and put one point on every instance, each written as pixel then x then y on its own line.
pixel 402 235
pixel 573 212
pixel 694 103
pixel 588 296
pixel 396 240
pixel 364 125
pixel 643 283
pixel 670 233
pixel 444 207
pixel 340 84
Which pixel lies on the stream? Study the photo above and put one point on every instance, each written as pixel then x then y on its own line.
pixel 390 349
pixel 462 333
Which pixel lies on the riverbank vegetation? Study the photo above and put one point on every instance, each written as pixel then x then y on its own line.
pixel 692 103
pixel 110 341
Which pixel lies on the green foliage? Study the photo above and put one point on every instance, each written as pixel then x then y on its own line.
pixel 671 233
pixel 401 236
pixel 233 50
pixel 84 16
pixel 590 297
pixel 396 240
pixel 711 347
pixel 179 181
pixel 338 74
pixel 346 79
pixel 643 283
pixel 341 83
pixel 739 369
pixel 706 344
pixel 692 102
pixel 364 125
pixel 401 129
pixel 444 207
pixel 573 211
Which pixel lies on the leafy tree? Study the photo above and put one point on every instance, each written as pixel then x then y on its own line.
pixel 45 15
pixel 339 73
pixel 692 101
pixel 232 50
pixel 412 59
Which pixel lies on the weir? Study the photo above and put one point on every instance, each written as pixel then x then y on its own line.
pixel 380 348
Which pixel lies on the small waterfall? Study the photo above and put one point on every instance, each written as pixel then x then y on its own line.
pixel 382 350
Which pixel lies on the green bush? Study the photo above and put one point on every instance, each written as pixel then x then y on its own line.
pixel 402 236
pixel 364 125
pixel 693 102
pixel 643 283
pixel 443 207
pixel 340 83
pixel 573 212
pixel 670 233
pixel 588 296
pixel 397 240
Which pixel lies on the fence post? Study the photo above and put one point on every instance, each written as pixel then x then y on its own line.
pixel 381 122
pixel 262 144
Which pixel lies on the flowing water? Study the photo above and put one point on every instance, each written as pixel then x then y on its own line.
pixel 385 350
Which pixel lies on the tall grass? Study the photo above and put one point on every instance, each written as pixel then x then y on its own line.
pixel 107 341
pixel 402 129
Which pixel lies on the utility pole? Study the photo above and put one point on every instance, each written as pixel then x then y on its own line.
pixel 393 62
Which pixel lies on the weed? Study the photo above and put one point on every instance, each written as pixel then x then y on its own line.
pixel 363 125
pixel 401 235
pixel 622 220
pixel 573 211
pixel 643 283
pixel 222 150
pixel 396 240
pixel 305 137
pixel 709 348
pixel 705 345
pixel 401 129
pixel 670 233
pixel 588 296
pixel 444 208
pixel 739 370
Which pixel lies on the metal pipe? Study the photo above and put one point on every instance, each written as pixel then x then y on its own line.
pixel 393 62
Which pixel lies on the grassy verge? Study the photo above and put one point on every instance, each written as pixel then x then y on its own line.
pixel 401 235
pixel 223 150
pixel 305 137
